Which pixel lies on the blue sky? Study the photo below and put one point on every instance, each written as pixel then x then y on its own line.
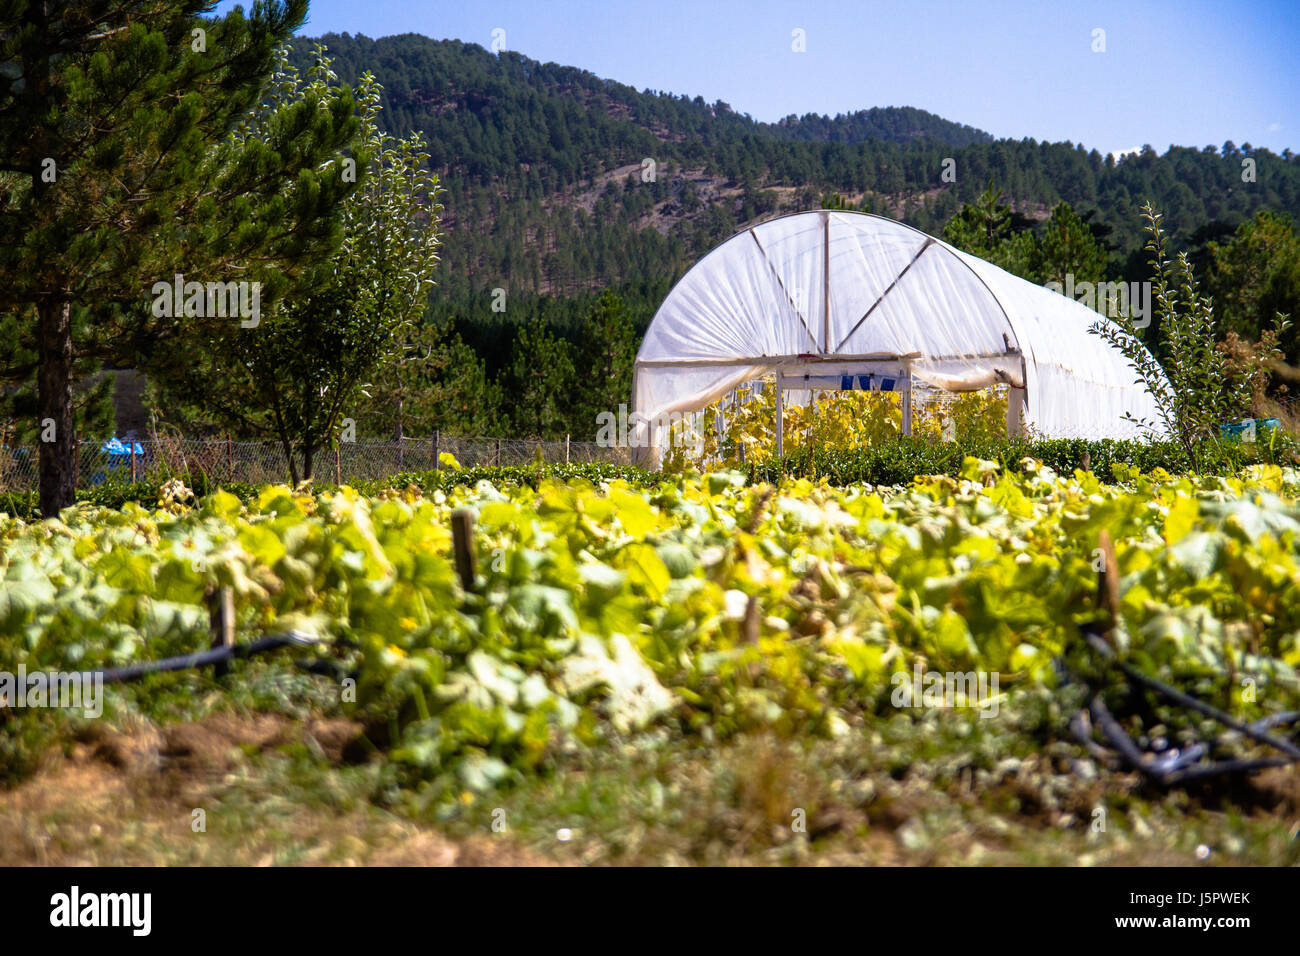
pixel 1190 73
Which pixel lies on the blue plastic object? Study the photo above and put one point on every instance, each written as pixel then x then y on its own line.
pixel 1236 431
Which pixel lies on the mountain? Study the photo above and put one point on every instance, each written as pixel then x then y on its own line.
pixel 560 182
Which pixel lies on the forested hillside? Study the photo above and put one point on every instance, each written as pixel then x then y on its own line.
pixel 549 190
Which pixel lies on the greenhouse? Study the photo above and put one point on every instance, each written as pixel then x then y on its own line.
pixel 831 299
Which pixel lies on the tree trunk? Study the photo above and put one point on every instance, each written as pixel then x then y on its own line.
pixel 58 479
pixel 293 465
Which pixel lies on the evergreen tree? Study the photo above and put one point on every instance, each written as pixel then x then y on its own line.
pixel 606 356
pixel 1256 275
pixel 539 382
pixel 435 381
pixel 1067 247
pixel 110 113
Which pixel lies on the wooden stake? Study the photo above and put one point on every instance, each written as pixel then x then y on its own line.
pixel 434 449
pixel 133 461
pixel 1108 585
pixel 498 461
pixel 752 614
pixel 749 634
pixel 1086 464
pixel 566 449
pixel 338 464
pixel 221 618
pixel 462 542
pixel 230 459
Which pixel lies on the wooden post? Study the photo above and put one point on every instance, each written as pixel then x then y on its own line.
pixel 780 418
pixel 498 461
pixel 566 449
pixel 753 613
pixel 749 631
pixel 230 459
pixel 1108 585
pixel 133 461
pixel 907 407
pixel 221 618
pixel 338 464
pixel 462 542
pixel 434 450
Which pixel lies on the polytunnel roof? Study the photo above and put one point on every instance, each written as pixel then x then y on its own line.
pixel 848 293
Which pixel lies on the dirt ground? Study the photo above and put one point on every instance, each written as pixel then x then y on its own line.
pixel 263 789
pixel 130 798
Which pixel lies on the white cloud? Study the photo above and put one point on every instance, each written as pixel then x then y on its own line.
pixel 1119 153
pixel 1274 127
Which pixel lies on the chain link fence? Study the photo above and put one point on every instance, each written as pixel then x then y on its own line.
pixel 101 461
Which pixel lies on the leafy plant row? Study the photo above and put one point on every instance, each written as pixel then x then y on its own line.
pixel 700 606
pixel 893 462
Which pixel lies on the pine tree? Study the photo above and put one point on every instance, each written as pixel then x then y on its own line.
pixel 606 357
pixel 539 381
pixel 110 112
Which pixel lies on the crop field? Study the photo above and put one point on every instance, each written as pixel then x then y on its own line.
pixel 690 669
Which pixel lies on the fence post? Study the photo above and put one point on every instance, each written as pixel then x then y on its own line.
pixel 230 459
pixel 498 461
pixel 462 542
pixel 566 449
pixel 338 463
pixel 76 462
pixel 133 461
pixel 434 450
pixel 221 618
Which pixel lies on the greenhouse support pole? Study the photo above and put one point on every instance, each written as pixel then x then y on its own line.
pixel 780 417
pixel 907 406
pixel 1015 412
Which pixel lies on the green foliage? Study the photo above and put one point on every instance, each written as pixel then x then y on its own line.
pixel 297 372
pixel 605 355
pixel 544 134
pixel 540 381
pixel 898 461
pixel 598 613
pixel 1193 386
pixel 110 121
pixel 1062 246
pixel 890 462
pixel 92 389
pixel 1067 247
pixel 1255 276
pixel 432 381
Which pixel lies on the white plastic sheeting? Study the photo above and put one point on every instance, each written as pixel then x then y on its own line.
pixel 831 293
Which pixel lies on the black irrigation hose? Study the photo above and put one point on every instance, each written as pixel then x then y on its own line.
pixel 1250 730
pixel 218 655
pixel 1168 768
